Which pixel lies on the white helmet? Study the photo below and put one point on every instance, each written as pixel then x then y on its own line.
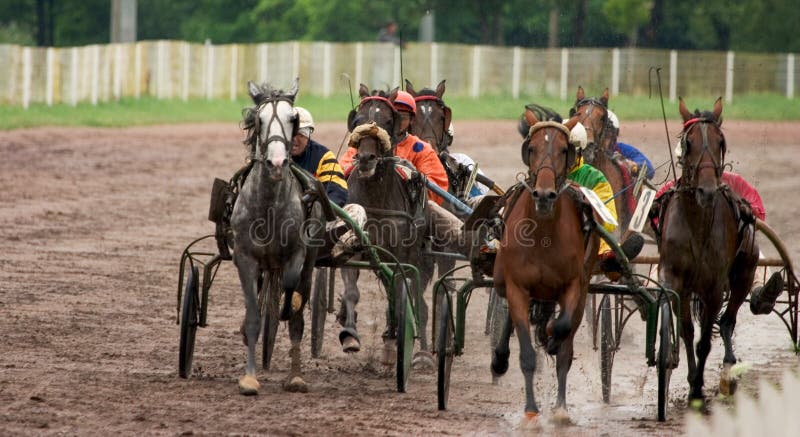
pixel 578 137
pixel 613 118
pixel 304 119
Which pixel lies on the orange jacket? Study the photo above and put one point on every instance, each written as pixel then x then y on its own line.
pixel 420 154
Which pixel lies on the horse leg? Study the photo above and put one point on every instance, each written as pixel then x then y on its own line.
pixel 501 351
pixel 423 359
pixel 741 277
pixel 249 272
pixel 572 304
pixel 293 276
pixel 518 304
pixel 710 310
pixel 565 325
pixel 295 382
pixel 348 316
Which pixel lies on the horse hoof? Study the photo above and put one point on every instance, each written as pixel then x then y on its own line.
pixel 295 384
pixel 561 417
pixel 248 385
pixel 727 382
pixel 350 345
pixel 530 420
pixel 423 360
pixel 389 355
pixel 698 405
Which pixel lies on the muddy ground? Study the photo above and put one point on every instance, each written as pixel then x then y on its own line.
pixel 93 224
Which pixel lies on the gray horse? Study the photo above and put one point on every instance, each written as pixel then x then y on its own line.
pixel 271 227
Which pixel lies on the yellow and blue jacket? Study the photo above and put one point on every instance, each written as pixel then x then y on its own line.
pixel 593 179
pixel 322 163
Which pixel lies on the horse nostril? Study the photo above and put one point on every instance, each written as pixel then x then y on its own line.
pixel 536 194
pixel 372 157
pixel 551 195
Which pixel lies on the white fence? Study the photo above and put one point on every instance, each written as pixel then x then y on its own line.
pixel 182 70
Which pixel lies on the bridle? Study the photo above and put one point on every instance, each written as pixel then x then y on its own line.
pixel 692 168
pixel 597 141
pixel 256 154
pixel 426 117
pixel 560 180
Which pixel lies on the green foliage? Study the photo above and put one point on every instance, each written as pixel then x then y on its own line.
pixel 128 112
pixel 627 15
pixel 13 33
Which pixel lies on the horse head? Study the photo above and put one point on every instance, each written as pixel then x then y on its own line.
pixel 374 146
pixel 433 117
pixel 592 113
pixel 271 124
pixel 550 152
pixel 702 151
pixel 376 106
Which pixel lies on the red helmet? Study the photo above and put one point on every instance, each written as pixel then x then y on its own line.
pixel 405 102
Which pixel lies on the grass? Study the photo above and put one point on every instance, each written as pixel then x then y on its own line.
pixel 145 111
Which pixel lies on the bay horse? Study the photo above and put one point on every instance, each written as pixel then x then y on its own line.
pixel 706 246
pixel 433 116
pixel 395 214
pixel 270 226
pixel 593 114
pixel 546 255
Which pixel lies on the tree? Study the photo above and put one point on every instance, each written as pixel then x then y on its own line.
pixel 627 16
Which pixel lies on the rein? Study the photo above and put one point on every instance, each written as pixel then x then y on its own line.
pixel 697 165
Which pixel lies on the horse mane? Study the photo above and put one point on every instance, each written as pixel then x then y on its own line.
pixel 265 92
pixel 542 113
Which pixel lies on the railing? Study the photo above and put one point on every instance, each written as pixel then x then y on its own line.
pixel 182 70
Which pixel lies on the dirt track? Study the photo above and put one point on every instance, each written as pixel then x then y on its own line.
pixel 93 224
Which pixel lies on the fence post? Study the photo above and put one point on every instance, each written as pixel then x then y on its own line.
pixel 673 75
pixel 117 71
pixel 187 52
pixel 209 70
pixel 234 69
pixel 27 71
pixel 137 71
pixel 396 74
pixel 295 60
pixel 263 52
pixel 564 72
pixel 73 86
pixel 476 72
pixel 729 78
pixel 790 76
pixel 515 71
pixel 615 72
pixel 95 72
pixel 359 63
pixel 50 73
pixel 326 70
pixel 434 64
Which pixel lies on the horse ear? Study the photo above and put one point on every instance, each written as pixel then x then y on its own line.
pixel 410 88
pixel 295 87
pixel 440 89
pixel 252 89
pixel 718 110
pixel 393 94
pixel 580 94
pixel 351 120
pixel 363 91
pixel 569 124
pixel 604 98
pixel 530 117
pixel 684 112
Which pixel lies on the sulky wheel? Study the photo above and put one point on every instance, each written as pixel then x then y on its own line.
pixel 405 337
pixel 319 309
pixel 445 343
pixel 271 291
pixel 499 310
pixel 667 354
pixel 189 317
pixel 607 345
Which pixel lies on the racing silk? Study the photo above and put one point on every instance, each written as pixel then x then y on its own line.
pixel 592 178
pixel 322 163
pixel 739 186
pixel 632 153
pixel 417 152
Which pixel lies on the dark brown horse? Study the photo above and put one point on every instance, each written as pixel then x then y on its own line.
pixel 705 248
pixel 433 117
pixel 593 114
pixel 545 257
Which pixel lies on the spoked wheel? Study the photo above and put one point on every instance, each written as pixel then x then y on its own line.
pixel 607 345
pixel 405 338
pixel 490 311
pixel 270 293
pixel 445 351
pixel 319 310
pixel 189 317
pixel 667 354
pixel 499 316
